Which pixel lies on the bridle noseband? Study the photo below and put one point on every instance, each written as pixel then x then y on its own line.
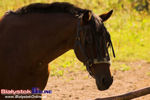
pixel 87 61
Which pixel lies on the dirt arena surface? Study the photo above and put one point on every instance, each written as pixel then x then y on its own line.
pixel 80 86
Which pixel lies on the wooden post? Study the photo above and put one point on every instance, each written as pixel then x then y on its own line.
pixel 128 96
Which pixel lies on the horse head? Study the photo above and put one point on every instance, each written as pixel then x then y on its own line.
pixel 91 47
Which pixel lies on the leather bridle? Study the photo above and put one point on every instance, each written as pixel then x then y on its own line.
pixel 88 61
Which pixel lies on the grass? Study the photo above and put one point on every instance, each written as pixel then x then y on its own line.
pixel 129 30
pixel 121 67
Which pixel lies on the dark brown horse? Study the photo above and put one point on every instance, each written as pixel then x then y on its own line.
pixel 36 34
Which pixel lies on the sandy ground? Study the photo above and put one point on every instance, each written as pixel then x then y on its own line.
pixel 80 86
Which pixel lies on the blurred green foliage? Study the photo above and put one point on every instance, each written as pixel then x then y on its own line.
pixel 129 28
pixel 148 73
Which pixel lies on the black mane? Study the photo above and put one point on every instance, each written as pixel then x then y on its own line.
pixel 48 8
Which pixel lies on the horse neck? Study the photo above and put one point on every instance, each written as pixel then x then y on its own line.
pixel 64 35
pixel 47 36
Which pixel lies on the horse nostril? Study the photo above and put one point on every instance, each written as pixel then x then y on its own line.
pixel 106 80
pixel 103 80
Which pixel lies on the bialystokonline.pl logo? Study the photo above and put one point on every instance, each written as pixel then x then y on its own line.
pixel 25 93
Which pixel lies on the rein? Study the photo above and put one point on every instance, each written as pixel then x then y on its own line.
pixel 89 62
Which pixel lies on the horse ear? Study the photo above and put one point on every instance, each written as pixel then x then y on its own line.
pixel 86 17
pixel 105 16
